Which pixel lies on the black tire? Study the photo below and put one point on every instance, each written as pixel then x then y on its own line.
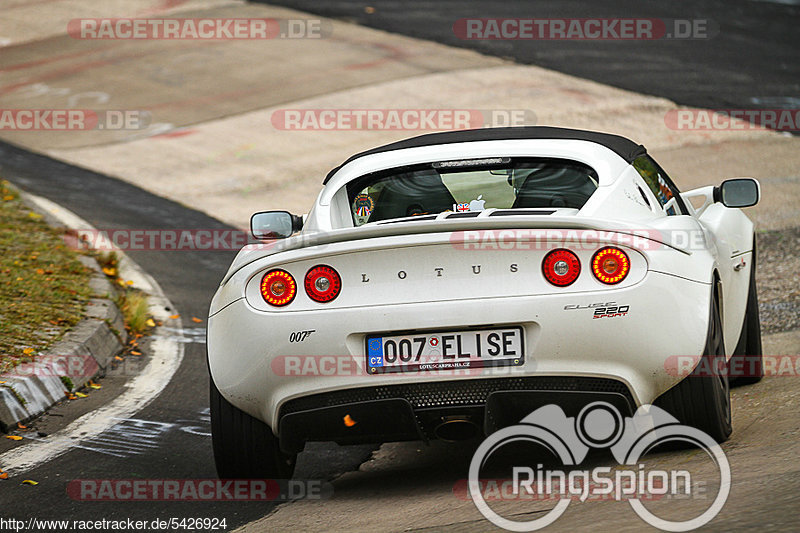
pixel 701 400
pixel 245 447
pixel 748 356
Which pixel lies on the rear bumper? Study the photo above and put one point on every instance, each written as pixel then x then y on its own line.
pixel 667 316
pixel 415 411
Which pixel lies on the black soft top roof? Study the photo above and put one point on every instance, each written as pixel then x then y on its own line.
pixel 625 148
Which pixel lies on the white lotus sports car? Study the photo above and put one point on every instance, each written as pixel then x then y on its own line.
pixel 447 285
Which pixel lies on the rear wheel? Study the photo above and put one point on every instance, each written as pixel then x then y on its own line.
pixel 245 447
pixel 747 359
pixel 701 400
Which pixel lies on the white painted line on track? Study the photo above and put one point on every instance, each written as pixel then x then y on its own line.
pixel 167 354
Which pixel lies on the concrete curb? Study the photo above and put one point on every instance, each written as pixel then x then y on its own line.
pixel 165 356
pixel 82 354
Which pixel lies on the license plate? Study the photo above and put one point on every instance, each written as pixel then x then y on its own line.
pixel 473 348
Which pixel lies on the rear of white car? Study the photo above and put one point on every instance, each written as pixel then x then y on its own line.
pixel 453 322
pixel 274 362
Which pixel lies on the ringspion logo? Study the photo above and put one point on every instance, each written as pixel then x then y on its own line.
pixel 599 425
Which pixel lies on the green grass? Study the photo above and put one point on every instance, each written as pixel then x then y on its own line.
pixel 67 383
pixel 133 305
pixel 44 288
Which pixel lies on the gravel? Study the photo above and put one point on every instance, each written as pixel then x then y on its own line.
pixel 778 279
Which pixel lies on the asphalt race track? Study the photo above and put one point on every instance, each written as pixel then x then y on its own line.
pixel 189 279
pixel 750 61
pixel 220 147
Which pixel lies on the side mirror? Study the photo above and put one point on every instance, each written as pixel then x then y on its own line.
pixel 274 224
pixel 738 192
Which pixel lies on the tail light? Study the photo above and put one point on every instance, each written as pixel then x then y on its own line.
pixel 278 288
pixel 323 284
pixel 610 265
pixel 561 267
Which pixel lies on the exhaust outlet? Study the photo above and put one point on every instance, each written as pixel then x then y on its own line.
pixel 454 429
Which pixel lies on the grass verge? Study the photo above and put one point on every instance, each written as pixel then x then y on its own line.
pixel 44 288
pixel 131 302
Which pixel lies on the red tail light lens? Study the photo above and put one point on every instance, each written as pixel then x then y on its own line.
pixel 610 265
pixel 323 284
pixel 561 267
pixel 278 288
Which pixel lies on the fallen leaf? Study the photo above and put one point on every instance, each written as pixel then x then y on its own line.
pixel 20 426
pixel 40 271
pixel 1 382
pixel 95 385
pixel 29 482
pixel 134 352
pixel 110 272
pixel 195 319
pixel 81 395
pixel 13 437
pixel 173 317
pixel 118 358
pixel 129 282
pixel 8 197
pixel 150 323
pixel 349 422
pixel 27 351
pixel 72 396
pixel 34 216
pixel 3 475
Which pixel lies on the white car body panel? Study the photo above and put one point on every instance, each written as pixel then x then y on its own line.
pixel 668 289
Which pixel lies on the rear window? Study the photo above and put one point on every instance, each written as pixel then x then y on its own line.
pixel 470 185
